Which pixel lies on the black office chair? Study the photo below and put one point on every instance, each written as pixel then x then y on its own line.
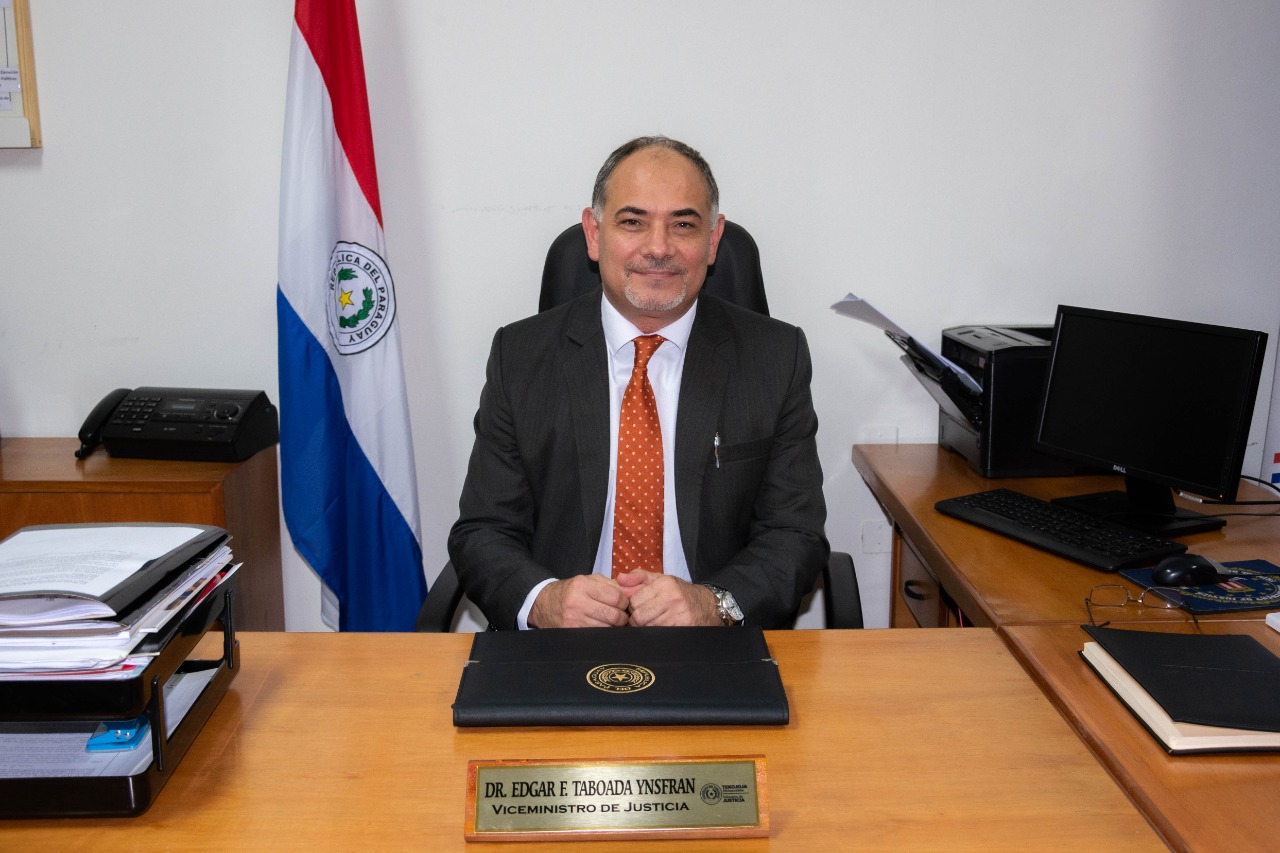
pixel 734 277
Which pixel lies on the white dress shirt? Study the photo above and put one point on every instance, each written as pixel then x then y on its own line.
pixel 665 369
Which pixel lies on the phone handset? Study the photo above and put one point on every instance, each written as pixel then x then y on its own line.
pixel 91 431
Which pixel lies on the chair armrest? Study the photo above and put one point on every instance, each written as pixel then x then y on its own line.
pixel 442 602
pixel 841 602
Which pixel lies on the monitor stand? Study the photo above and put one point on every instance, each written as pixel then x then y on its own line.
pixel 1146 506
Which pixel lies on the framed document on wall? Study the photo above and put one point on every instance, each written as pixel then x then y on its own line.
pixel 19 114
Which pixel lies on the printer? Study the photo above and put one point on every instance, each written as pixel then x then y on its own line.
pixel 994 429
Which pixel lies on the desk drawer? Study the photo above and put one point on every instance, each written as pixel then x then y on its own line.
pixel 917 596
pixel 915 588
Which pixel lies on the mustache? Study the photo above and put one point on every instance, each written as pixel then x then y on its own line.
pixel 657 265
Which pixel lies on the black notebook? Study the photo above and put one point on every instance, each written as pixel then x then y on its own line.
pixel 1194 692
pixel 621 677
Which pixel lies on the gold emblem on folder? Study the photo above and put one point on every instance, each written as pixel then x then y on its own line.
pixel 620 677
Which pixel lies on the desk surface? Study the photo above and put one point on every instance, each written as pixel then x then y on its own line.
pixel 49 465
pixel 997 581
pixel 1197 802
pixel 898 741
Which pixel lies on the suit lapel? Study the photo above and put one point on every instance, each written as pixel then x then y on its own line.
pixel 585 374
pixel 702 387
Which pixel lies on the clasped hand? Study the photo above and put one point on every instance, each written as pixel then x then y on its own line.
pixel 637 598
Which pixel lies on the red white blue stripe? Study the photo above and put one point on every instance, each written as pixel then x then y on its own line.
pixel 349 487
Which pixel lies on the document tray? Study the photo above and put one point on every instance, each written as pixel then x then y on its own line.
pixel 621 677
pixel 84 700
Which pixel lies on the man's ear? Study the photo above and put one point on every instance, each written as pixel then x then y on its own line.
pixel 591 229
pixel 716 233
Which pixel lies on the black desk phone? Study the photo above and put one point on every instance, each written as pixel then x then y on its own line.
pixel 199 424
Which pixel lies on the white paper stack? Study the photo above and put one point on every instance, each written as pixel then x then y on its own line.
pixel 61 610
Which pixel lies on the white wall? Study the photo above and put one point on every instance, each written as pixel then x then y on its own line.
pixel 954 163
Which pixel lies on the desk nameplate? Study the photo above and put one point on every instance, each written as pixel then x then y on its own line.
pixel 533 800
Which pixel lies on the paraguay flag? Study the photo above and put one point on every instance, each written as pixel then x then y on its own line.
pixel 349 488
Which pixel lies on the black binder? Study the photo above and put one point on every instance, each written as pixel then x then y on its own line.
pixel 621 677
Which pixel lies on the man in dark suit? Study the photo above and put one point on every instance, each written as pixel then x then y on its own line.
pixel 540 538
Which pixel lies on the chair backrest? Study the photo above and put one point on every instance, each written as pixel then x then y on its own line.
pixel 734 277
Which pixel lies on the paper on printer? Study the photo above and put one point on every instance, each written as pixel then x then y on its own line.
pixel 927 359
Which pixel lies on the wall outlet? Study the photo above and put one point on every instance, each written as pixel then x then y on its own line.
pixel 877 536
pixel 878 434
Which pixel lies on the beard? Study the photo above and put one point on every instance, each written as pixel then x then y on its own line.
pixel 650 300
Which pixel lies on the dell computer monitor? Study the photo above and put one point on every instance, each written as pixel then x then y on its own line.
pixel 1166 403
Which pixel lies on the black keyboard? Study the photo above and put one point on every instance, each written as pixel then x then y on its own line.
pixel 1060 530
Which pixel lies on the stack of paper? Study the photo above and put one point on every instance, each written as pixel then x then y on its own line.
pixel 76 601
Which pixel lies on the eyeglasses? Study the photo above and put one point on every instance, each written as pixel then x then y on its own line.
pixel 1154 597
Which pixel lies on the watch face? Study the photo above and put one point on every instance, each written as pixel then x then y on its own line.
pixel 726 605
pixel 729 609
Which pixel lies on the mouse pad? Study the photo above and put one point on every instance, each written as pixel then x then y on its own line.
pixel 1253 585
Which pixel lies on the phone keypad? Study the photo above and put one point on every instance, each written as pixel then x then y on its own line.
pixel 135 410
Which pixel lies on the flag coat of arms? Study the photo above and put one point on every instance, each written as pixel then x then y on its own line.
pixel 349 487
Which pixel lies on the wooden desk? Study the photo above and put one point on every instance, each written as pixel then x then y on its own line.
pixel 941 563
pixel 898 741
pixel 41 482
pixel 1196 802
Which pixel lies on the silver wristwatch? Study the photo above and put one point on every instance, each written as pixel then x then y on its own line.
pixel 726 605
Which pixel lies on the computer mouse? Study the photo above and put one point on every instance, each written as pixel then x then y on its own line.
pixel 1186 570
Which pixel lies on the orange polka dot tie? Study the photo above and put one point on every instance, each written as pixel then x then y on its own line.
pixel 637 504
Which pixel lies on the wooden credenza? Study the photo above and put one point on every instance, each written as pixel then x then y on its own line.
pixel 41 482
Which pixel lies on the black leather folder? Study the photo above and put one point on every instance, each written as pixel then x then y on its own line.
pixel 621 677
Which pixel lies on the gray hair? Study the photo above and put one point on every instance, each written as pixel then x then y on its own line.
pixel 640 143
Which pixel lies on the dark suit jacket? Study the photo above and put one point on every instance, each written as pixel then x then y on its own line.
pixel 533 503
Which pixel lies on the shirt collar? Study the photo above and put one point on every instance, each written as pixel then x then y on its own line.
pixel 619 331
